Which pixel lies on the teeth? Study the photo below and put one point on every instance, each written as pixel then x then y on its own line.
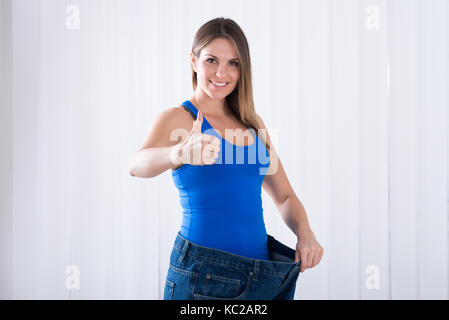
pixel 219 84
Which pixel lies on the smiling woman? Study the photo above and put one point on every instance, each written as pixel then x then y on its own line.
pixel 221 68
pixel 222 250
pixel 233 62
pixel 217 214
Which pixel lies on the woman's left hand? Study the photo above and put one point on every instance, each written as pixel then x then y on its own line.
pixel 309 251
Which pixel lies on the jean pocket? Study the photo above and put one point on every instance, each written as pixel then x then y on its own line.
pixel 169 290
pixel 179 283
pixel 289 279
pixel 220 282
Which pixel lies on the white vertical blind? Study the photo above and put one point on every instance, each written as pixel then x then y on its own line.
pixel 430 152
pixel 355 98
pixel 373 121
pixel 402 149
pixel 6 162
pixel 343 184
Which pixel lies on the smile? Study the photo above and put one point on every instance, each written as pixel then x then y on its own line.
pixel 219 84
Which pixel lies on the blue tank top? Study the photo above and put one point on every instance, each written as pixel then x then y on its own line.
pixel 222 202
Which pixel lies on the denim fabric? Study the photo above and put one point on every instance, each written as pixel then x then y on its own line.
pixel 198 272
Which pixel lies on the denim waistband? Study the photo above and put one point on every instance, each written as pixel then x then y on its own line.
pixel 277 268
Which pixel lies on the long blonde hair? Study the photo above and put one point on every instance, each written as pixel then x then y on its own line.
pixel 240 101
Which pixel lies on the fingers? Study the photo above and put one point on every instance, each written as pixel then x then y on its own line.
pixel 201 148
pixel 210 139
pixel 318 257
pixel 205 149
pixel 310 258
pixel 297 256
pixel 211 149
pixel 304 264
pixel 315 256
pixel 306 260
pixel 198 123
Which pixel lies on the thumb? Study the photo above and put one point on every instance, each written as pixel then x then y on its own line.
pixel 198 123
pixel 297 256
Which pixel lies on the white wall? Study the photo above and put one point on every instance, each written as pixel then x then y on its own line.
pixel 354 92
pixel 6 147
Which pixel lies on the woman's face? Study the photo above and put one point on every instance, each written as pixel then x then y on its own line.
pixel 217 62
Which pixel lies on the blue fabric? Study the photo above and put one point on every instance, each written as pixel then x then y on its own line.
pixel 222 202
pixel 201 273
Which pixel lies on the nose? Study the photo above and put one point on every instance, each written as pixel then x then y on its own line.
pixel 221 71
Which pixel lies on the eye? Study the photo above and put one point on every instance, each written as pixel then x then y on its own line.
pixel 233 63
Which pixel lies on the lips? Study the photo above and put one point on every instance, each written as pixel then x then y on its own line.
pixel 218 86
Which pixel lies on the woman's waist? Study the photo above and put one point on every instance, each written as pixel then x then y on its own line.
pixel 236 218
pixel 240 238
pixel 237 228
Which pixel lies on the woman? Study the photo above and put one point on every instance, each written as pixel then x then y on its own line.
pixel 222 250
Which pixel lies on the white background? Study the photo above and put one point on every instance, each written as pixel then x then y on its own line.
pixel 357 92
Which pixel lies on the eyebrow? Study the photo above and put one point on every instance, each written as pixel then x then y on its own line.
pixel 208 54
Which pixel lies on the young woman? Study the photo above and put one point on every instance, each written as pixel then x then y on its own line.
pixel 220 160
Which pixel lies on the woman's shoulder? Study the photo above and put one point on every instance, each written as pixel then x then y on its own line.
pixel 176 115
pixel 164 127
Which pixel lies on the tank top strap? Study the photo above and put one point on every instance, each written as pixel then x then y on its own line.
pixel 194 112
pixel 190 108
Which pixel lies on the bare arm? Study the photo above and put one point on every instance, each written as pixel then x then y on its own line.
pixel 159 151
pixel 308 249
pixel 169 144
pixel 150 162
pixel 280 190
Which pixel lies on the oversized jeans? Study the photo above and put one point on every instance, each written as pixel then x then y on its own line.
pixel 198 272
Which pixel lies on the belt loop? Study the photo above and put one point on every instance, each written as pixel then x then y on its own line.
pixel 184 250
pixel 255 272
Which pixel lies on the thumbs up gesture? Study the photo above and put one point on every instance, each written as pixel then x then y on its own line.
pixel 199 148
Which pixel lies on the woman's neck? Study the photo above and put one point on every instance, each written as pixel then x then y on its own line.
pixel 215 108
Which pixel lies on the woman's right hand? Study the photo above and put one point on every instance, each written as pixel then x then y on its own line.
pixel 198 148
